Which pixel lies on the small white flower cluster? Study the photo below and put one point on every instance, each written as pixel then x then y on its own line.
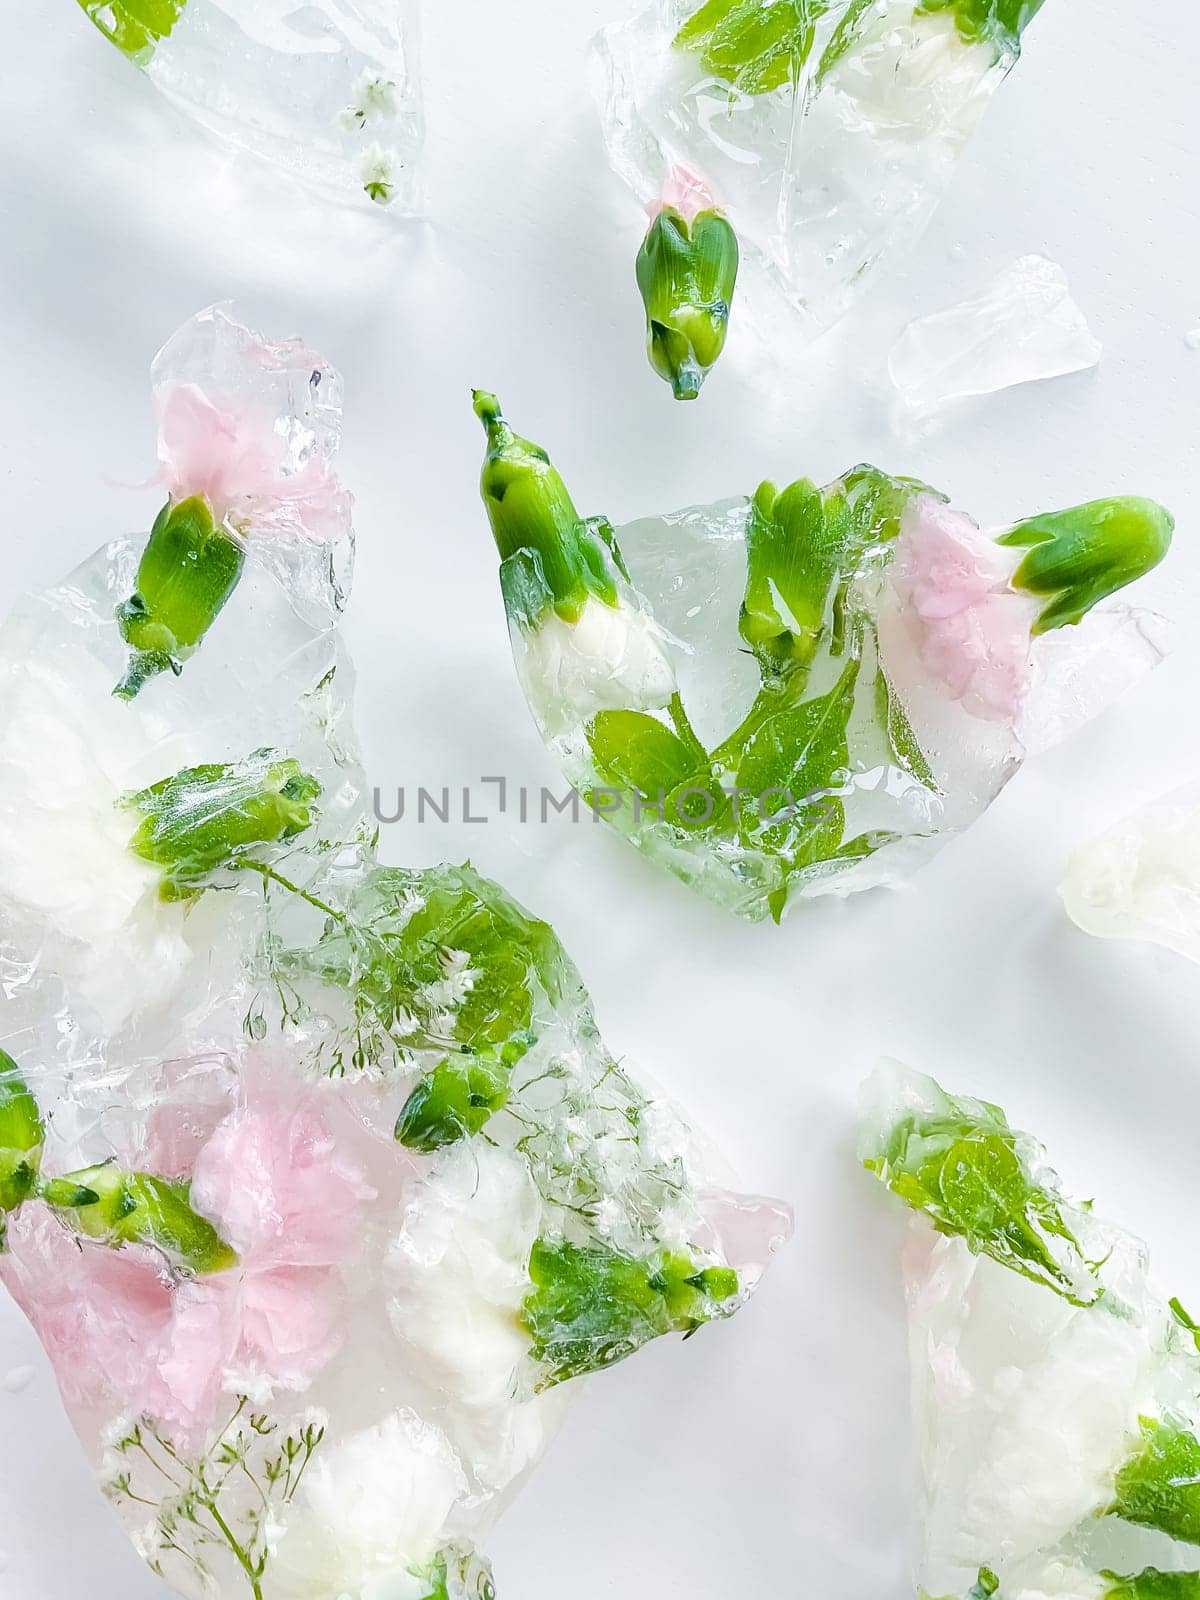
pixel 374 98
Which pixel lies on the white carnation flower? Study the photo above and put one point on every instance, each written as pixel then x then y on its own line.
pixel 919 77
pixel 611 659
pixel 370 1513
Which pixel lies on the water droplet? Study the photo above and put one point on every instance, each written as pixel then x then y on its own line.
pixel 16 1379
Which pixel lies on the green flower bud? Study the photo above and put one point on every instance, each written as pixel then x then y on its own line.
pixel 532 515
pixel 686 274
pixel 591 1306
pixel 22 1135
pixel 207 818
pixel 795 543
pixel 117 1208
pixel 1083 555
pixel 453 1102
pixel 188 570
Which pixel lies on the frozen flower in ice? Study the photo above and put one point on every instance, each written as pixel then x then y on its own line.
pixel 370 1509
pixel 974 628
pixel 687 271
pixel 373 97
pixel 583 641
pixel 379 172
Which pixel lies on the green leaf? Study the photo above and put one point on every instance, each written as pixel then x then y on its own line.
pixel 902 741
pixel 754 45
pixel 687 274
pixel 188 571
pixel 1185 1321
pixel 797 758
pixel 117 1207
pixel 205 819
pixel 633 750
pixel 1159 1487
pixel 135 26
pixel 846 35
pixel 457 1099
pixel 958 1161
pixel 591 1306
pixel 22 1134
pixel 1153 1585
pixel 1083 555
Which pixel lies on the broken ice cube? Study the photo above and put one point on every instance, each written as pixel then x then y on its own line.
pixel 1056 1421
pixel 806 692
pixel 1023 327
pixel 329 91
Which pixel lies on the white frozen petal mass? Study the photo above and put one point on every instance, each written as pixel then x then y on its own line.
pixel 373 1508
pixel 1140 878
pixel 611 659
pixel 1023 327
pixel 280 82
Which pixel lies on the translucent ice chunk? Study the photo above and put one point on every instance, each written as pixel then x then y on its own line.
pixel 330 90
pixel 807 692
pixel 829 131
pixel 1140 879
pixel 1054 1387
pixel 1024 326
pixel 317 1179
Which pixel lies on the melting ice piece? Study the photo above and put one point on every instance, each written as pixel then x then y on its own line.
pixel 830 130
pixel 806 692
pixel 317 1179
pixel 1055 1389
pixel 1023 327
pixel 1140 879
pixel 330 91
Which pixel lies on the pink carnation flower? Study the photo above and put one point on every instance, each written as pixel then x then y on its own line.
pixel 684 191
pixel 236 458
pixel 121 1323
pixel 972 627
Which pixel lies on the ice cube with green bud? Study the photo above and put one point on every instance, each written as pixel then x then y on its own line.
pixel 806 691
pixel 831 128
pixel 1056 1390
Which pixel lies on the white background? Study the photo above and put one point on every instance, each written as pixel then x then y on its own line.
pixel 768 1456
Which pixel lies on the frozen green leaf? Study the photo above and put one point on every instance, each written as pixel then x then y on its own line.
pixel 756 46
pixel 134 26
pixel 1159 1487
pixel 117 1207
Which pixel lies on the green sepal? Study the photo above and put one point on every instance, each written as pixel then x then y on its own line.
pixel 1000 21
pixel 135 26
pixel 1083 555
pixel 531 512
pixel 756 46
pixel 22 1135
pixel 591 1306
pixel 454 1101
pixel 136 1208
pixel 687 275
pixel 1153 1585
pixel 1159 1487
pixel 207 818
pixel 188 570
pixel 958 1160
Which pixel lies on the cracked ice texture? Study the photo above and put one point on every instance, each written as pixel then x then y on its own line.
pixel 329 91
pixel 1140 879
pixel 1023 327
pixel 826 180
pixel 954 653
pixel 1026 1407
pixel 361 1392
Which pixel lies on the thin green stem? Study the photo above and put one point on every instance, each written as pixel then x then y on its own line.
pixel 271 875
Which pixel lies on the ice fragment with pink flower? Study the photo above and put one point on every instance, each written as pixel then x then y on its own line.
pixel 807 691
pixel 329 92
pixel 318 1180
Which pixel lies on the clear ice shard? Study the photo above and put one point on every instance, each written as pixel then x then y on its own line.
pixel 828 131
pixel 1140 879
pixel 806 692
pixel 330 91
pixel 317 1179
pixel 1056 1418
pixel 1023 327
